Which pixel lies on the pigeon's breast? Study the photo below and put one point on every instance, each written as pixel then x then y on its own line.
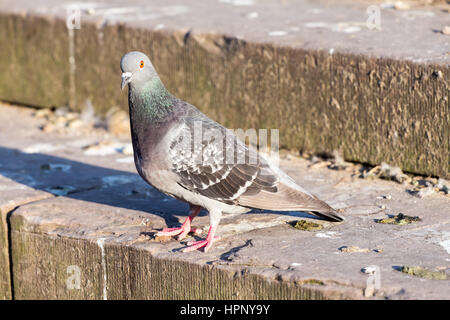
pixel 150 149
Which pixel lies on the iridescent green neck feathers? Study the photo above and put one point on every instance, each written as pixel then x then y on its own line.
pixel 150 101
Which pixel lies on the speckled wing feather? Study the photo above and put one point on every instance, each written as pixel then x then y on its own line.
pixel 211 161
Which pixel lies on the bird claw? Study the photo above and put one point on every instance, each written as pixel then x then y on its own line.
pixel 206 243
pixel 181 232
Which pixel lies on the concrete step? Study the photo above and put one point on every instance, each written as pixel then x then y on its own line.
pixel 316 70
pixel 79 223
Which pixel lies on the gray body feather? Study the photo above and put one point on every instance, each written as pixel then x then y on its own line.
pixel 185 154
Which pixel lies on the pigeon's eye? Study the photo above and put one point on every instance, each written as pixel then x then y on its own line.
pixel 141 64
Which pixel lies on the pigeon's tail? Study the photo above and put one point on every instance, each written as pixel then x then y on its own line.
pixel 287 198
pixel 329 215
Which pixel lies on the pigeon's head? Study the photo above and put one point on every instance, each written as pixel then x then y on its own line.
pixel 136 68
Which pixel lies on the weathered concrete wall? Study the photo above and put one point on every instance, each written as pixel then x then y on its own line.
pixel 74 209
pixel 34 60
pixel 372 109
pixel 41 261
pixel 5 278
pixel 12 195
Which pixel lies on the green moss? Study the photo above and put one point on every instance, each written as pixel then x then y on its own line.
pixel 307 226
pixel 314 282
pixel 399 219
pixel 424 273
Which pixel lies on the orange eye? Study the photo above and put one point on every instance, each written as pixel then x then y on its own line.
pixel 141 64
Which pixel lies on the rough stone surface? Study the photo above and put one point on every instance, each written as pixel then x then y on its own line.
pixel 12 195
pixel 316 71
pixel 16 188
pixel 102 217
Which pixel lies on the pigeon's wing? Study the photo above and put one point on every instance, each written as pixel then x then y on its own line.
pixel 210 160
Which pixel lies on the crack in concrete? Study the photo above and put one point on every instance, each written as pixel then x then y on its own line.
pixel 11 269
pixel 101 244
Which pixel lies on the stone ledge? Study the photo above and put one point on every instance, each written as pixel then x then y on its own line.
pixel 374 95
pixel 102 216
pixel 12 195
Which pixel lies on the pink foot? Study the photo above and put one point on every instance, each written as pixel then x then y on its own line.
pixel 181 232
pixel 185 228
pixel 193 243
pixel 207 243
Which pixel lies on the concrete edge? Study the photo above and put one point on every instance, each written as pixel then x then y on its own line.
pixel 371 109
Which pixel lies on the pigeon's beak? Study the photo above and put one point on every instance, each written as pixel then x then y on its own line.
pixel 126 78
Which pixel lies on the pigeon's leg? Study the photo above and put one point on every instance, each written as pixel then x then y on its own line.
pixel 210 238
pixel 185 228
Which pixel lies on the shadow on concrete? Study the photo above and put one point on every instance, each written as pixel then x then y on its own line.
pixel 229 255
pixel 82 181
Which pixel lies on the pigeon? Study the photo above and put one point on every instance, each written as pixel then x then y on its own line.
pixel 184 154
